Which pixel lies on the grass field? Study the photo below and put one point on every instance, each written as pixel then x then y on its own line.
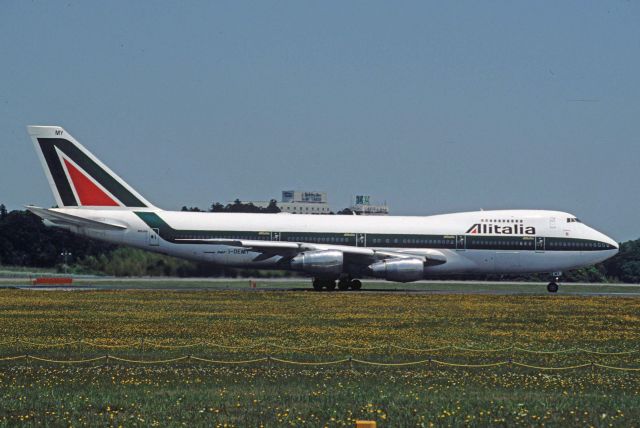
pixel 316 327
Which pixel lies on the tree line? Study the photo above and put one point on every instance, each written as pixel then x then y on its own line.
pixel 241 207
pixel 26 242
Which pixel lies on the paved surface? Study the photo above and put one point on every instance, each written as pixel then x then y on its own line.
pixel 302 285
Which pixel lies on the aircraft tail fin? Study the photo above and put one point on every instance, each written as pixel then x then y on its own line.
pixel 77 178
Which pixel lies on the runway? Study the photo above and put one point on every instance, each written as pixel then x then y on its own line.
pixel 303 286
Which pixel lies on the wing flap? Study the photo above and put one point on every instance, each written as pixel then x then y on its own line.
pixel 250 244
pixel 367 255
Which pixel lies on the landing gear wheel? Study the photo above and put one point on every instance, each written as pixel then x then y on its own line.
pixel 355 284
pixel 343 285
pixel 317 284
pixel 331 285
pixel 552 287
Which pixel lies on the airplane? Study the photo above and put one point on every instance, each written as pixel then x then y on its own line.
pixel 334 249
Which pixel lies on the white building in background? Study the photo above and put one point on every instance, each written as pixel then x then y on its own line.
pixel 300 202
pixel 304 202
pixel 363 206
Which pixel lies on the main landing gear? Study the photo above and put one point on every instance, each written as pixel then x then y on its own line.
pixel 329 284
pixel 552 286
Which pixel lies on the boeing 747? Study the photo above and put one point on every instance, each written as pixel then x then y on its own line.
pixel 335 250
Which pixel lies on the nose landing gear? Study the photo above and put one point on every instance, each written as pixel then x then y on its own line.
pixel 552 286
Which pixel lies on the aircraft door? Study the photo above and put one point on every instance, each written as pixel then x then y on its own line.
pixel 275 236
pixel 540 244
pixel 461 242
pixel 154 237
pixel 361 239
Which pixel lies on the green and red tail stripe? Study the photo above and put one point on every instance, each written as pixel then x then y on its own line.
pixel 78 178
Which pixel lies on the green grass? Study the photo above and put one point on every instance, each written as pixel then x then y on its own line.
pixel 15 272
pixel 276 394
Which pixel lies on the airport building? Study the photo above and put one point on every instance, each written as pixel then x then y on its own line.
pixel 300 202
pixel 313 202
pixel 363 206
pixel 304 202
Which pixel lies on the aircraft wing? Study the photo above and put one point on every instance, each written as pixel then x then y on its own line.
pixel 63 219
pixel 251 244
pixel 288 249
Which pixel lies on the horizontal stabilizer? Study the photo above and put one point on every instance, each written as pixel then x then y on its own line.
pixel 62 219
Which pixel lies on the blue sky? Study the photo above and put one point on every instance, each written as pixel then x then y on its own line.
pixel 431 106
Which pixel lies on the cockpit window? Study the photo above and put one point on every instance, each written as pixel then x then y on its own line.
pixel 573 220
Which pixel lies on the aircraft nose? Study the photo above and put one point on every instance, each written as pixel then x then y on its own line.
pixel 615 247
pixel 612 242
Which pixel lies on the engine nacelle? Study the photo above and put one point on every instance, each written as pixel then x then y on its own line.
pixel 401 270
pixel 322 262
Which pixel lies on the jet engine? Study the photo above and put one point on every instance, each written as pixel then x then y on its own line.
pixel 322 262
pixel 401 270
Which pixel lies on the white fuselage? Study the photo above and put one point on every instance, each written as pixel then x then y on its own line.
pixel 508 241
pixel 97 203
